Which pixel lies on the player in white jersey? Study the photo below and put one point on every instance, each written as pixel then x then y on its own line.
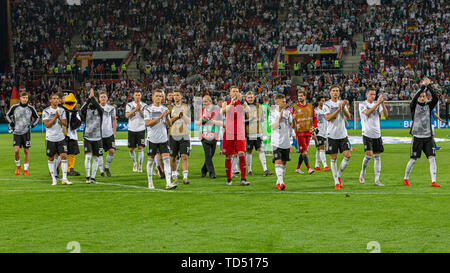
pixel 320 136
pixel 54 117
pixel 369 111
pixel 22 117
pixel 136 129
pixel 109 128
pixel 280 121
pixel 157 122
pixel 179 139
pixel 337 140
pixel 92 114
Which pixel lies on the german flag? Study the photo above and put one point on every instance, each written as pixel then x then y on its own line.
pixel 14 97
pixel 289 50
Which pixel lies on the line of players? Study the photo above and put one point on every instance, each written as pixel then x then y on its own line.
pixel 168 133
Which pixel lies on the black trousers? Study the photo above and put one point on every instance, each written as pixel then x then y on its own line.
pixel 209 147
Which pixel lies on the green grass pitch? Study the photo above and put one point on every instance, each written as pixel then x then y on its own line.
pixel 121 215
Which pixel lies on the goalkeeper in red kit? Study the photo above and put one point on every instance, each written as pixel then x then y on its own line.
pixel 234 134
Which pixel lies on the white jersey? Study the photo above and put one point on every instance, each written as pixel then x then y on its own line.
pixel 109 111
pixel 335 128
pixel 321 122
pixel 281 135
pixel 136 122
pixel 180 128
pixel 157 133
pixel 72 134
pixel 370 124
pixel 55 132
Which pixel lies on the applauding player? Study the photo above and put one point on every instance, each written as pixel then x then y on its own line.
pixel 370 112
pixel 254 119
pixel 234 134
pixel 136 129
pixel 157 121
pixel 109 128
pixel 179 140
pixel 422 130
pixel 280 121
pixel 54 118
pixel 337 141
pixel 92 114
pixel 304 122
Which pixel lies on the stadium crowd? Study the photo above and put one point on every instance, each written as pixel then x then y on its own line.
pixel 204 47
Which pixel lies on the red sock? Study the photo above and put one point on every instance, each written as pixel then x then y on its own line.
pixel 307 166
pixel 228 167
pixel 243 166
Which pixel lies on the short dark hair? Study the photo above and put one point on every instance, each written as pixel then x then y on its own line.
pixel 280 96
pixel 24 94
pixel 335 86
pixel 60 94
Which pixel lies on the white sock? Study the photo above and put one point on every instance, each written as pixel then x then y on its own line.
pixel 279 173
pixel 185 174
pixel 17 163
pixel 51 168
pixel 235 161
pixel 317 158
pixel 377 167
pixel 141 158
pixel 365 163
pixel 344 164
pixel 109 159
pixel 249 157
pixel 150 162
pixel 433 168
pixel 100 164
pixel 64 168
pixel 56 164
pixel 94 166
pixel 262 158
pixel 25 166
pixel 334 171
pixel 174 174
pixel 409 167
pixel 166 162
pixel 87 164
pixel 133 156
pixel 323 158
